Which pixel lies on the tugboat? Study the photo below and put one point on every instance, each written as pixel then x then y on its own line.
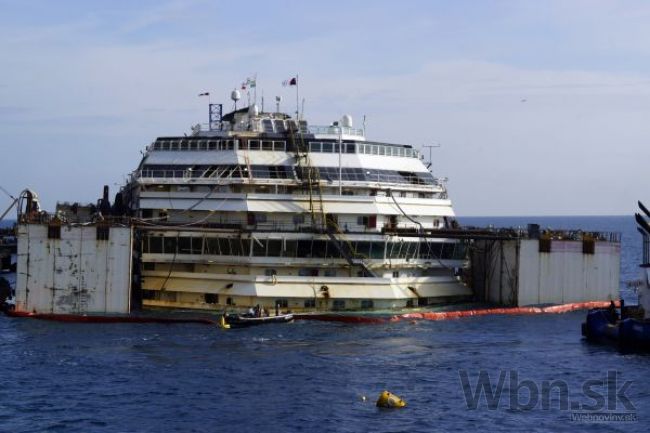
pixel 631 330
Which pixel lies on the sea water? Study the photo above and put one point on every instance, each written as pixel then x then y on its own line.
pixel 313 377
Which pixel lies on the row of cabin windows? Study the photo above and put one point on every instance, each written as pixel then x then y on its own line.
pixel 375 175
pixel 218 171
pixel 182 145
pixel 368 149
pixel 185 144
pixel 267 145
pixel 286 172
pixel 281 146
pixel 214 299
pixel 301 248
pixel 329 174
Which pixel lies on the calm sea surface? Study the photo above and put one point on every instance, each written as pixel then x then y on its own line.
pixel 310 376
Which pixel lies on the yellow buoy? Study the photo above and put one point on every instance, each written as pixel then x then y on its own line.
pixel 223 324
pixel 390 401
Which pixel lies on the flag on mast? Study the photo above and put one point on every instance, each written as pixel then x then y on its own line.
pixel 290 82
pixel 204 94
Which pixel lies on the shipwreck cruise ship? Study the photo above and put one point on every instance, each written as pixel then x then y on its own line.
pixel 259 208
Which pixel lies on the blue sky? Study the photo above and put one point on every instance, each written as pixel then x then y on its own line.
pixel 540 107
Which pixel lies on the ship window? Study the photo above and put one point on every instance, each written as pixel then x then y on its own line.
pixel 279 125
pixel 377 250
pixel 433 250
pixel 375 150
pixel 283 303
pixel 333 251
pixel 395 274
pixel 299 219
pixel 254 145
pixel 235 247
pixel 224 247
pixel 212 145
pixel 308 272
pixel 349 148
pixel 267 125
pixel 279 146
pixel 304 248
pixel 315 146
pixel 270 272
pixel 447 251
pixel 211 298
pixel 184 145
pixel 259 247
pixel 169 245
pixel 185 245
pixel 336 148
pixel 245 247
pixel 290 248
pixel 260 171
pixel 459 251
pixel 408 249
pixel 382 150
pixel 363 248
pixel 197 245
pixel 338 304
pixel 275 247
pixel 318 249
pixel 212 246
pixel 267 145
pixel 260 218
pixel 409 153
pixel 230 145
pixel 330 272
pixel 327 147
pixel 310 303
pixel 229 301
pixel 393 251
pixel 174 145
pixel 155 245
pixel 367 304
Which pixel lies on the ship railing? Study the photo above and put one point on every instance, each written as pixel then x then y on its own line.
pixel 239 224
pixel 214 126
pixel 334 130
pixel 549 234
pixel 361 180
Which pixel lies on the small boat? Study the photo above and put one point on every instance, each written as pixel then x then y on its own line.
pixel 246 320
pixel 632 333
pixel 630 329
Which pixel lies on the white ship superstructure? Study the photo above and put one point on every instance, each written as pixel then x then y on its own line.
pixel 261 208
